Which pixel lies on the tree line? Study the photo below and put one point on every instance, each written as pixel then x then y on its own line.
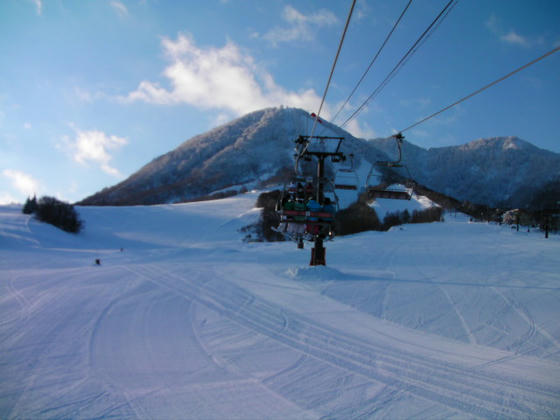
pixel 55 212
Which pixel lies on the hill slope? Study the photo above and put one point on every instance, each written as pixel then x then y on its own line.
pixel 251 150
pixel 439 320
pixel 257 149
pixel 501 171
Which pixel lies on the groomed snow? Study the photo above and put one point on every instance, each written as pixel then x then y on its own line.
pixel 451 319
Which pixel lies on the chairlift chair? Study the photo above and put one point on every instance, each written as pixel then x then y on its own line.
pixel 310 224
pixel 346 177
pixel 379 191
pixel 375 193
pixel 298 223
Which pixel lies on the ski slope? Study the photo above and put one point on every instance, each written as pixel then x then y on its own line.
pixel 450 319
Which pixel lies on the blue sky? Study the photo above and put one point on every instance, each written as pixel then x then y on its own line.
pixel 92 90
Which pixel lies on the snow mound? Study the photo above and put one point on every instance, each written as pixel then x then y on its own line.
pixel 318 273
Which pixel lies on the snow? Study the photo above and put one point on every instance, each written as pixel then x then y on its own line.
pixel 451 319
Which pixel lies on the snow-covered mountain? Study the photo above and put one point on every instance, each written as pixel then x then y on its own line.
pixel 257 150
pixel 500 171
pixel 253 150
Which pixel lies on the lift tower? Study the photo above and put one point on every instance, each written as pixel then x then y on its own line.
pixel 320 148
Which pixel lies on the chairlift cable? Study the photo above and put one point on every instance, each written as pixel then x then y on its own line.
pixel 333 65
pixel 399 64
pixel 542 57
pixel 372 61
pixel 429 34
pixel 331 73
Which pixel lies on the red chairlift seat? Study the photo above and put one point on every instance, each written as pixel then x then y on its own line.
pixel 321 216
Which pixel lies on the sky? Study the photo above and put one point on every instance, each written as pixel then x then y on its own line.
pixel 90 91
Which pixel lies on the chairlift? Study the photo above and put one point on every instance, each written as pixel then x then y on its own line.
pixel 375 193
pixel 305 211
pixel 302 217
pixel 380 190
pixel 394 163
pixel 346 177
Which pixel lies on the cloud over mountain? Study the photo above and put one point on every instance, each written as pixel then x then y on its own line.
pixel 225 78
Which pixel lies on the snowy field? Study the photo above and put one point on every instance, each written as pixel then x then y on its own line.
pixel 440 320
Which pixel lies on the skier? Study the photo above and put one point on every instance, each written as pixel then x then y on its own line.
pixel 300 191
pixel 285 225
pixel 313 225
pixel 309 188
pixel 331 210
pixel 299 220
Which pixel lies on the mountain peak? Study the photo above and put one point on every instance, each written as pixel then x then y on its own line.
pixel 253 150
pixel 256 150
pixel 501 143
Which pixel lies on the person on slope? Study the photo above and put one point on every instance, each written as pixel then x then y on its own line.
pixel 313 226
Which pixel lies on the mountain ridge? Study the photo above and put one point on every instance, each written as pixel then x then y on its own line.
pixel 499 171
pixel 257 149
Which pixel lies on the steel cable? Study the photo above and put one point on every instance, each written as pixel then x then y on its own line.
pixel 372 61
pixel 410 51
pixel 476 92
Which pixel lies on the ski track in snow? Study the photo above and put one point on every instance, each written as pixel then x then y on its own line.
pixel 481 395
pixel 533 327
pixel 472 338
pixel 215 329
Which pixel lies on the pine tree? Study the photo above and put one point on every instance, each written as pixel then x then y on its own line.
pixel 30 205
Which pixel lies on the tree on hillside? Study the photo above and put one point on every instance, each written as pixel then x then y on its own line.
pixel 30 205
pixel 59 214
pixel 358 217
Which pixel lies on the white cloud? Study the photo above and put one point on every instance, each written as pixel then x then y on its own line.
pixel 6 198
pixel 94 146
pixel 511 37
pixel 120 8
pixel 83 95
pixel 221 118
pixel 299 26
pixel 363 131
pixel 22 182
pixel 224 78
pixel 493 24
pixel 514 38
pixel 39 6
pixel 87 96
pixel 362 10
pixel 27 126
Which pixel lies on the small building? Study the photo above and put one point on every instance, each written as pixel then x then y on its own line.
pixel 518 216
